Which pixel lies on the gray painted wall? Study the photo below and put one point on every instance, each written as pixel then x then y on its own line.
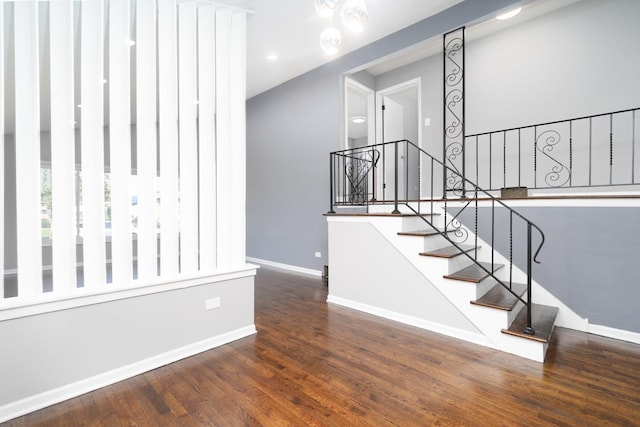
pixel 44 352
pixel 292 128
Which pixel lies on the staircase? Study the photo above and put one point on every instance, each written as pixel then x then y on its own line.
pixel 445 246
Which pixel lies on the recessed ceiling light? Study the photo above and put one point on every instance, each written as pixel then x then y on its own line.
pixel 272 57
pixel 358 119
pixel 509 14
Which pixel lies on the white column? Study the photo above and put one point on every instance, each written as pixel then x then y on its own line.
pixel 168 99
pixel 120 142
pixel 92 144
pixel 223 144
pixel 237 85
pixel 207 137
pixel 62 146
pixel 27 140
pixel 146 142
pixel 188 138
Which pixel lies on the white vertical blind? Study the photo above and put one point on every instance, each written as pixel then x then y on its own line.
pixel 92 144
pixel 188 138
pixel 2 151
pixel 168 98
pixel 27 142
pixel 120 142
pixel 189 105
pixel 207 129
pixel 237 85
pixel 223 143
pixel 62 146
pixel 146 142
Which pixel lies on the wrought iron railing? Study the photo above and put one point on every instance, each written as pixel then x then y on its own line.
pixel 403 173
pixel 593 151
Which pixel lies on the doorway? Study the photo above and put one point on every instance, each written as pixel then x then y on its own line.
pixel 359 116
pixel 398 115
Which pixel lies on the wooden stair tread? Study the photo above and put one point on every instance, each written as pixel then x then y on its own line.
pixel 473 273
pixel 543 319
pixel 448 251
pixel 500 298
pixel 422 233
pixel 419 233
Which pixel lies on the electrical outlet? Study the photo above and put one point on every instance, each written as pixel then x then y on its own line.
pixel 212 303
pixel 427 121
pixel 318 254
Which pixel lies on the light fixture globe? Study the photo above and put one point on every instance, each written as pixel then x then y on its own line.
pixel 330 40
pixel 355 15
pixel 326 7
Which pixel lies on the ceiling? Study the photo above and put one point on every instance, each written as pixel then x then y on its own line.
pixel 291 30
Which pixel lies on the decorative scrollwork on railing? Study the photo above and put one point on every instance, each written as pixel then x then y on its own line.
pixel 454 122
pixel 357 169
pixel 454 110
pixel 453 54
pixel 458 233
pixel 559 174
pixel 455 183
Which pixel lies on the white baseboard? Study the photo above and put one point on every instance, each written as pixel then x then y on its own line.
pixel 57 395
pixel 439 328
pixel 285 266
pixel 619 334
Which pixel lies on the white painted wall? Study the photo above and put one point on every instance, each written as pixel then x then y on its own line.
pixel 58 355
pixel 367 273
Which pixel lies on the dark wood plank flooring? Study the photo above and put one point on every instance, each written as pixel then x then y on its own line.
pixel 317 364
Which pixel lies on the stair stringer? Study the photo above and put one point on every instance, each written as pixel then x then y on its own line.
pixel 487 320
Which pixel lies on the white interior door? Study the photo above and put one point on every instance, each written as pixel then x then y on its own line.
pixel 392 128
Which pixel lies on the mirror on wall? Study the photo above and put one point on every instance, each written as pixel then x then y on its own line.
pixel 359 114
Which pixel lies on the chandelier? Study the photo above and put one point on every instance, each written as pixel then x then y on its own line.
pixel 354 17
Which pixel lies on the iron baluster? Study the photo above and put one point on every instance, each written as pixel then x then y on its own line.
pixel 570 153
pixel 511 249
pixel 373 177
pixel 633 147
pixel 477 163
pixel 504 160
pixel 519 160
pixel 493 233
pixel 395 180
pixel 590 148
pixel 529 328
pixel 331 178
pixel 535 158
pixel 610 149
pixel 490 160
pixel 475 231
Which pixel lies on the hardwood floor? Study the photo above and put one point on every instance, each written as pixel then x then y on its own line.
pixel 318 364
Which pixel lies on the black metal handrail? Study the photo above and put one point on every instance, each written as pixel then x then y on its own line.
pixel 601 150
pixel 454 189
